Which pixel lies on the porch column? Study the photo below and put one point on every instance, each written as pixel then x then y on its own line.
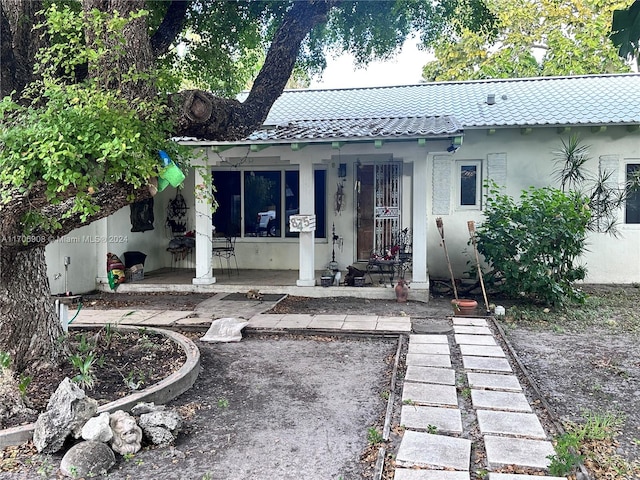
pixel 420 279
pixel 306 275
pixel 102 248
pixel 204 257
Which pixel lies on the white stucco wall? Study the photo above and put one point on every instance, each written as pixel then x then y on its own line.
pixel 88 246
pixel 529 162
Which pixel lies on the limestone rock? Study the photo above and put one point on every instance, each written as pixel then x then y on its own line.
pixel 87 459
pixel 127 435
pixel 67 411
pixel 97 429
pixel 161 427
pixel 146 407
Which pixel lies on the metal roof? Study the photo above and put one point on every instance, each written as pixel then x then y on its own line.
pixel 588 100
pixel 441 109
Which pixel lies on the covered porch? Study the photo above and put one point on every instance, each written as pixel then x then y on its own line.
pixel 376 286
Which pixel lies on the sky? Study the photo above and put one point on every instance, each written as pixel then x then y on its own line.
pixel 405 69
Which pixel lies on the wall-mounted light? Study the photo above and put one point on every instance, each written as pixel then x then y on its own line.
pixel 342 170
pixel 456 142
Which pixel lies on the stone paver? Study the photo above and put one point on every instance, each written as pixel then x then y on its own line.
pixel 390 326
pixel 427 338
pixel 426 360
pixel 476 322
pixel 433 348
pixel 494 381
pixel 510 423
pixel 331 317
pixel 482 350
pixel 486 363
pixel 428 450
pixel 420 417
pixel 414 474
pixel 192 321
pixel 324 324
pixel 359 325
pixel 471 330
pixel 444 376
pixel 511 476
pixel 265 320
pixel 503 451
pixel 464 339
pixel 300 320
pixel 493 400
pixel 430 394
pixel 361 318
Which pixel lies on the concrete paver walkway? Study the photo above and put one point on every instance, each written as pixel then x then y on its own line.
pixel 435 444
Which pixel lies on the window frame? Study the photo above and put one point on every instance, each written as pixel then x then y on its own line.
pixel 282 213
pixel 627 164
pixel 459 165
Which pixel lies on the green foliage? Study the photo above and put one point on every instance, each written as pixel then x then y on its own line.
pixel 223 44
pixel 533 245
pixel 625 30
pixel 23 384
pixel 597 426
pixel 565 458
pixel 5 360
pixel 374 436
pixel 84 364
pixel 78 138
pixel 530 39
pixel 604 196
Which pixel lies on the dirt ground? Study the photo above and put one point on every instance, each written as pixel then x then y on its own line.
pixel 313 424
pixel 269 407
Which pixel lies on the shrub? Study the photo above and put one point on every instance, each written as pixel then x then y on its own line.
pixel 533 246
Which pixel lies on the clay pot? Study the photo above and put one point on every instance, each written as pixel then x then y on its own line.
pixel 464 306
pixel 402 291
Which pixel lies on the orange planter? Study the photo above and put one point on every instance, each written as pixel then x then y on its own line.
pixel 464 306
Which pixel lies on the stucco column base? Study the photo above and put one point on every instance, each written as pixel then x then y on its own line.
pixel 203 281
pixel 419 291
pixel 306 283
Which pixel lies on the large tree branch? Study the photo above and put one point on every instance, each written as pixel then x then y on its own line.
pixel 110 199
pixel 170 27
pixel 202 115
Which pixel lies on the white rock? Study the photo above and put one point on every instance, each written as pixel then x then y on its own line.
pixel 97 429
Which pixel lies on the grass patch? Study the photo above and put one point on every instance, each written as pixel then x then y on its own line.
pixel 612 308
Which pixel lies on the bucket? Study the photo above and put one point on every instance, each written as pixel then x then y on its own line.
pixel 162 184
pixel 173 175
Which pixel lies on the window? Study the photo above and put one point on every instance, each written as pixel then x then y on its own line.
pixel 261 202
pixel 469 174
pixel 632 210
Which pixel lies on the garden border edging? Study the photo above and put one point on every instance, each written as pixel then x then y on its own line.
pixel 165 390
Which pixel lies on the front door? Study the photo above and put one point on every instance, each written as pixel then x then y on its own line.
pixel 378 207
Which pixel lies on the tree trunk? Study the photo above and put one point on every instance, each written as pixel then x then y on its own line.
pixel 28 321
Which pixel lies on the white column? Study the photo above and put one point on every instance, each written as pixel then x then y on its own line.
pixel 102 248
pixel 204 270
pixel 307 276
pixel 419 277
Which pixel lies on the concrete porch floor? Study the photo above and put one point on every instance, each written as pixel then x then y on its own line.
pixel 265 281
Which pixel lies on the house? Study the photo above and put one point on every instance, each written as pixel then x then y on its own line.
pixel 358 166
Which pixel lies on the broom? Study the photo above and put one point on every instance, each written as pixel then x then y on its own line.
pixel 446 254
pixel 472 233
